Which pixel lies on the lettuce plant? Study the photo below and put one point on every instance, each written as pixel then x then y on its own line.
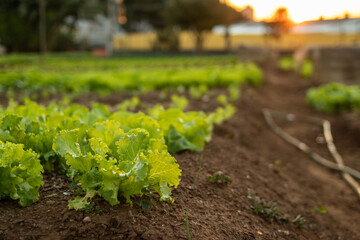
pixel 110 162
pixel 20 173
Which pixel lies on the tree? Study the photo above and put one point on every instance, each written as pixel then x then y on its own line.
pixel 198 16
pixel 148 15
pixel 279 23
pixel 144 11
pixel 19 28
pixel 230 16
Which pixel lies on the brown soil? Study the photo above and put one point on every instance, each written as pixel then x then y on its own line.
pixel 244 148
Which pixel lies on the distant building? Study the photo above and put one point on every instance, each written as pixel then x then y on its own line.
pixel 347 25
pixel 94 33
pixel 243 28
pixel 335 26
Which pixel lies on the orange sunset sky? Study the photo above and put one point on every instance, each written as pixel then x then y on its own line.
pixel 303 10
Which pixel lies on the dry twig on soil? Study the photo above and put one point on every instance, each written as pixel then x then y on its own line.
pixel 347 173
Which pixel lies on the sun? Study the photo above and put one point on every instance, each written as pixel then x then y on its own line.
pixel 302 10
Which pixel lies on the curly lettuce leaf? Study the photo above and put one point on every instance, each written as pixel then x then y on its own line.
pixel 67 142
pixel 184 130
pixel 133 170
pixel 163 168
pixel 20 173
pixel 130 144
pixel 178 142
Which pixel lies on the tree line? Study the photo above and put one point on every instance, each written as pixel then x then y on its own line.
pixel 19 28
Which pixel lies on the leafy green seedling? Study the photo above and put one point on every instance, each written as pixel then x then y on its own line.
pixel 222 114
pixel 319 209
pixel 129 104
pixel 163 94
pixel 90 208
pixel 73 185
pixel 98 211
pixel 287 63
pixel 178 102
pixel 222 99
pixel 299 221
pixel 152 200
pixel 270 212
pixel 197 92
pixel 78 192
pixel 307 69
pixel 279 165
pixel 145 203
pixel 234 91
pixel 219 177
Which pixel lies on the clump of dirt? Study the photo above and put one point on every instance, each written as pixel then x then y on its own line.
pixel 243 148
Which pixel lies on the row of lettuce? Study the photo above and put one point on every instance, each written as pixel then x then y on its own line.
pixel 335 98
pixel 329 98
pixel 87 62
pixel 305 68
pixel 54 80
pixel 109 154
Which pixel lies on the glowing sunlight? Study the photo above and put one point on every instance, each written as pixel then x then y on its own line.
pixel 302 10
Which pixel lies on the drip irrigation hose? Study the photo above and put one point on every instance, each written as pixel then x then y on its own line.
pixel 348 173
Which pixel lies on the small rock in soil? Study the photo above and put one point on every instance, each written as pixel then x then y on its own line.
pixel 320 140
pixel 286 232
pixel 50 202
pixel 86 219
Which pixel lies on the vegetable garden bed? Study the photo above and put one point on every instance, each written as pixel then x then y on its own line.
pixel 243 148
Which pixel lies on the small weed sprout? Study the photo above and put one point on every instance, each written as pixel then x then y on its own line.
pixel 145 204
pixel 73 185
pixel 219 177
pixel 299 221
pixel 268 210
pixel 197 92
pixel 234 91
pixel 178 102
pixel 89 208
pixel 279 165
pixel 187 227
pixel 271 213
pixel 222 99
pixel 129 104
pixel 320 209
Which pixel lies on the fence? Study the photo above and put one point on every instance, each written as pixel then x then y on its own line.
pixel 216 42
